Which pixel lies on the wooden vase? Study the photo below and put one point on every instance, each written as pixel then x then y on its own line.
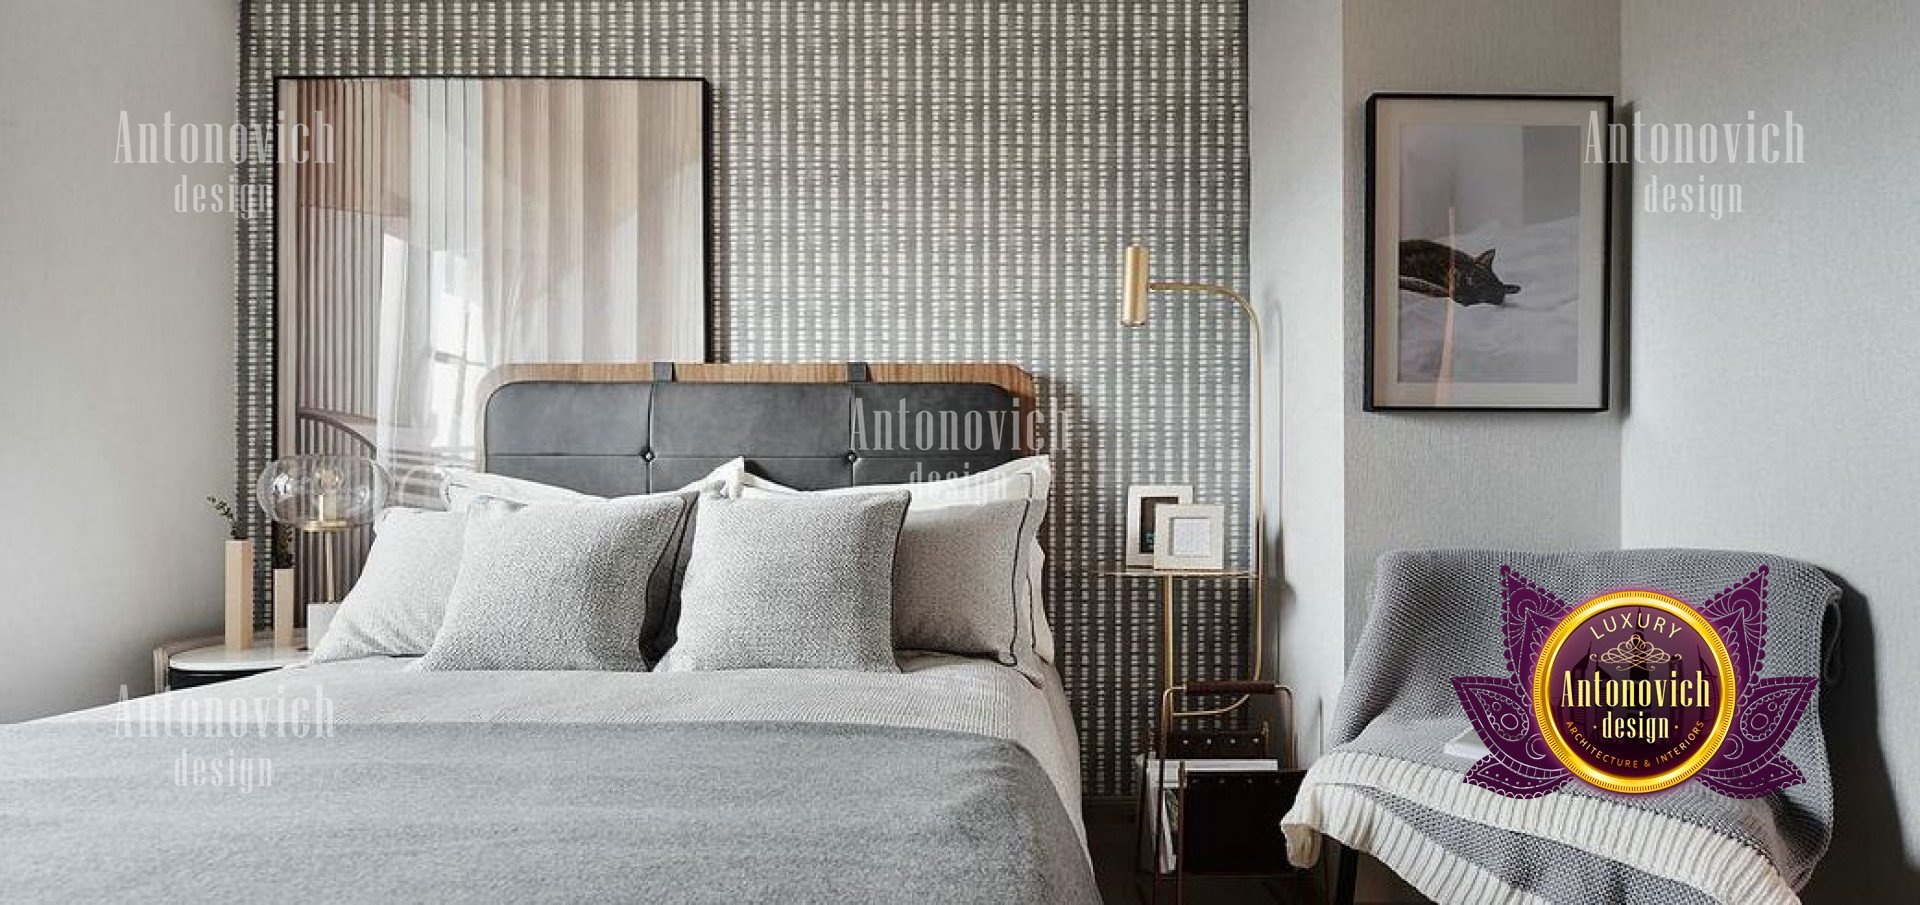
pixel 239 615
pixel 283 605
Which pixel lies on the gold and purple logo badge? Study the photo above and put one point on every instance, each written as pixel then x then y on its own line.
pixel 1634 691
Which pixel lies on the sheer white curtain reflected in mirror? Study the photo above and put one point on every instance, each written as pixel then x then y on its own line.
pixel 444 227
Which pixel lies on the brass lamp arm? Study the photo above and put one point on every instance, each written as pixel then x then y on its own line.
pixel 1258 516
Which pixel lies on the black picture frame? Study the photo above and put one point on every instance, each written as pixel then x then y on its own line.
pixel 1593 316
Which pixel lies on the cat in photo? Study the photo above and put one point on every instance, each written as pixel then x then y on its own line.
pixel 1429 268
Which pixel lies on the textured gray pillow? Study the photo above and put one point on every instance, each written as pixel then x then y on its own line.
pixel 396 606
pixel 467 490
pixel 663 590
pixel 663 594
pixel 1029 478
pixel 802 582
pixel 556 586
pixel 958 578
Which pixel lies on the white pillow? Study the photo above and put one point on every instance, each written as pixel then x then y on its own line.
pixel 464 488
pixel 1029 478
pixel 396 607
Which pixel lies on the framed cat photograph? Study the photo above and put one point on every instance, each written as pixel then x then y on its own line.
pixel 1488 252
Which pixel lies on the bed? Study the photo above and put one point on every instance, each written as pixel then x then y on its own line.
pixel 954 780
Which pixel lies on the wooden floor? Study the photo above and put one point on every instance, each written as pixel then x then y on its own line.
pixel 1110 839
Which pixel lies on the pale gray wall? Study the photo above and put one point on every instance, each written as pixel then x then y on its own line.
pixel 1774 374
pixel 1294 122
pixel 1531 481
pixel 116 348
pixel 1351 485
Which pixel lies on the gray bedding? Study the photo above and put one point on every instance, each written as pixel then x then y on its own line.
pixel 938 784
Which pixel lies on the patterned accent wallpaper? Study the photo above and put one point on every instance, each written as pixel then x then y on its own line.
pixel 917 180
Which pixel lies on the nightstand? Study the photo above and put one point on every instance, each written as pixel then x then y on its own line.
pixel 204 661
pixel 1209 800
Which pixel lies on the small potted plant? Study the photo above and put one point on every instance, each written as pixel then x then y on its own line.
pixel 239 609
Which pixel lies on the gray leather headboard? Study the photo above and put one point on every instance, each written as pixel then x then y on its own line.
pixel 623 429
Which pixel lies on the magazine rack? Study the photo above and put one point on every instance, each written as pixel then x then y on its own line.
pixel 1211 799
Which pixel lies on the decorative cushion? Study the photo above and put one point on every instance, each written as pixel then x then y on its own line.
pixel 468 490
pixel 395 608
pixel 958 578
pixel 1028 479
pixel 556 585
pixel 802 582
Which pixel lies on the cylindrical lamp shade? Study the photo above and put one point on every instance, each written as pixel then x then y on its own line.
pixel 323 493
pixel 1133 297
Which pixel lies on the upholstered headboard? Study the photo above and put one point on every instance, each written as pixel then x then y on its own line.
pixel 614 429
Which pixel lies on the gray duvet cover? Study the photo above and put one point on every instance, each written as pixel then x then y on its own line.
pixel 579 787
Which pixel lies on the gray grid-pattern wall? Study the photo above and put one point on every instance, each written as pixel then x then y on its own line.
pixel 917 180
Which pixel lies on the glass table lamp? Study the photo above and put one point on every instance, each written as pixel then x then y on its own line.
pixel 323 495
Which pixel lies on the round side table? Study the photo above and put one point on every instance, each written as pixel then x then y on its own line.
pixel 205 664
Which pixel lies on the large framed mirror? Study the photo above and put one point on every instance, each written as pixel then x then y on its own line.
pixel 438 228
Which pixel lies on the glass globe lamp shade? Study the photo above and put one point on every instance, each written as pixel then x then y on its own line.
pixel 322 493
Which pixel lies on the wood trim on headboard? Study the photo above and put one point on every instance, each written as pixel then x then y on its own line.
pixel 1012 378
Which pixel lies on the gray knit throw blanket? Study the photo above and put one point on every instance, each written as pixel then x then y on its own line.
pixel 1388 787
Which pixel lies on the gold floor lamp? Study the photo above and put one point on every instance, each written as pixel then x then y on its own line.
pixel 1137 283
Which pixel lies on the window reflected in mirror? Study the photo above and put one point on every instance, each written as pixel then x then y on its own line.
pixel 443 227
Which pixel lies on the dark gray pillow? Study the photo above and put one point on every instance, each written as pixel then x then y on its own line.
pixel 959 577
pixel 799 582
pixel 556 586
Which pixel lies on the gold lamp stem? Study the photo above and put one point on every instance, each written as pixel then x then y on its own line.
pixel 1258 519
pixel 1137 282
pixel 326 545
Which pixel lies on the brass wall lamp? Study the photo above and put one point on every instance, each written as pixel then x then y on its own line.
pixel 1137 283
